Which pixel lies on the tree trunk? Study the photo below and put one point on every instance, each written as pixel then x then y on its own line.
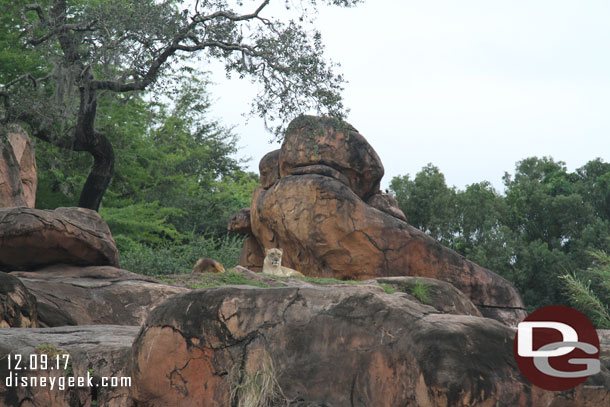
pixel 100 175
pixel 96 144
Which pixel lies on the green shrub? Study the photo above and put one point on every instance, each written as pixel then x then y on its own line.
pixel 421 291
pixel 180 257
pixel 589 291
pixel 388 288
pixel 143 223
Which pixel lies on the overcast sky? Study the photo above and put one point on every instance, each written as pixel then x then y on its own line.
pixel 472 86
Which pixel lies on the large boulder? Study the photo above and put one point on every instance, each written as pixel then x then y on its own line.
pixel 23 149
pixel 240 222
pixel 69 295
pixel 11 188
pixel 18 306
pixel 326 230
pixel 31 238
pixel 388 204
pixel 323 207
pixel 440 294
pixel 269 169
pixel 334 145
pixel 94 351
pixel 337 346
pixel 252 255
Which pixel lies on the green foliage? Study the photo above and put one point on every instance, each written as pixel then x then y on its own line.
pixel 228 278
pixel 141 223
pixel 175 173
pixel 180 257
pixel 589 292
pixel 421 291
pixel 59 177
pixel 427 202
pixel 388 288
pixel 16 61
pixel 546 222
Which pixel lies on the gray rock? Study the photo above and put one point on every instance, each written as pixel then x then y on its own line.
pixel 33 238
pixel 71 295
pixel 334 346
pixel 100 351
pixel 18 307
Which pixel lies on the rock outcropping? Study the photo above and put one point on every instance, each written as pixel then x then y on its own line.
pixel 18 307
pixel 33 238
pixel 397 339
pixel 102 295
pixel 95 351
pixel 18 174
pixel 320 202
pixel 337 346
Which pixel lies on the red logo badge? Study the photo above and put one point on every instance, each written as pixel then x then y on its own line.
pixel 557 348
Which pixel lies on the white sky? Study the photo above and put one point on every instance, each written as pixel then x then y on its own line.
pixel 472 86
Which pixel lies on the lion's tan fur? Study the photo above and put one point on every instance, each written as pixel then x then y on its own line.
pixel 273 264
pixel 205 265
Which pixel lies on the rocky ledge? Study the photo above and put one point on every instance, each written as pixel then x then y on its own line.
pixel 311 342
pixel 330 346
pixel 83 351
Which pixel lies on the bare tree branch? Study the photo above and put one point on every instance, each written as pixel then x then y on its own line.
pixel 23 77
pixel 232 16
pixel 38 9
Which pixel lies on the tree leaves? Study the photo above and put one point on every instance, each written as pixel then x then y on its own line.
pixel 542 227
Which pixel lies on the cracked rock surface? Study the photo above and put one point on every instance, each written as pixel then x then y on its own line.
pixel 33 238
pixel 331 346
pixel 69 295
pixel 18 173
pixel 326 230
pixel 18 306
pixel 100 351
pixel 323 207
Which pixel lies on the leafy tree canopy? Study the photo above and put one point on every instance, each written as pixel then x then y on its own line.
pixel 545 225
pixel 176 174
pixel 77 50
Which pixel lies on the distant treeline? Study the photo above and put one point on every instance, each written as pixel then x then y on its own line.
pixel 548 232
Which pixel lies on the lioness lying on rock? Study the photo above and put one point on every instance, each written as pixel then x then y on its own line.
pixel 273 264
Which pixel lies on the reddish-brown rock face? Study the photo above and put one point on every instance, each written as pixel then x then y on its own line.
pixel 18 308
pixel 240 222
pixel 31 238
pixel 441 295
pixel 388 204
pixel 269 169
pixel 326 230
pixel 339 346
pixel 11 189
pixel 18 174
pixel 314 141
pixel 327 214
pixel 252 255
pixel 23 148
pixel 65 293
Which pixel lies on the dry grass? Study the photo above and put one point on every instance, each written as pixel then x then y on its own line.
pixel 256 389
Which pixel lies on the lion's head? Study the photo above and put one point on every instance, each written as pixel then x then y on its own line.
pixel 274 256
